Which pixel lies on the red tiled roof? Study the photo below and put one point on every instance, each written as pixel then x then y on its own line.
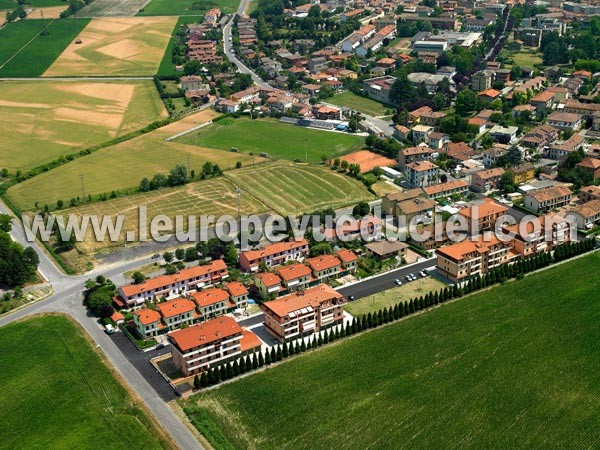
pixel 175 307
pixel 323 262
pixel 311 297
pixel 147 316
pixel 236 288
pixel 293 271
pixel 205 333
pixel 210 296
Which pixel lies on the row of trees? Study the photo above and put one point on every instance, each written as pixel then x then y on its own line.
pixel 386 315
pixel 17 264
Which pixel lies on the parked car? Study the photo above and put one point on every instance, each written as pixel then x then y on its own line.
pixel 351 298
pixel 155 256
pixel 408 278
pixel 398 282
pixel 423 273
pixel 109 328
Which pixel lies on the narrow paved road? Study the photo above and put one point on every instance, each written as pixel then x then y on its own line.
pixel 228 49
pixel 67 299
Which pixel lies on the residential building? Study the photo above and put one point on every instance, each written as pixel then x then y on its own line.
pixel 564 121
pixel 401 132
pixel 454 187
pixel 420 133
pixel 542 101
pixel 489 95
pixel 549 231
pixel 421 174
pixel 274 254
pixel 325 267
pixel 295 276
pixel 379 88
pixel 386 249
pixel 486 180
pixel 433 118
pixel 303 312
pixel 267 284
pixel 212 302
pixel 436 141
pixel 539 137
pixel 406 205
pixel 199 347
pixel 147 322
pixel 504 135
pixel 177 312
pixel 585 110
pixel 238 293
pixel 348 259
pixel 587 214
pixel 413 154
pixel 166 286
pixel 544 200
pixel 482 215
pixel 592 166
pixel 472 257
pixel 492 155
pixel 589 193
pixel 523 172
pixel 365 228
pixel 482 80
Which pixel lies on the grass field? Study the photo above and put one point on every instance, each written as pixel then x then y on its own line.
pixel 123 165
pixel 27 53
pixel 279 140
pixel 187 7
pixel 216 196
pixel 166 67
pixel 116 46
pixel 526 59
pixel 41 120
pixel 47 12
pixel 289 188
pixel 512 367
pixel 388 298
pixel 382 187
pixel 57 393
pixel 358 103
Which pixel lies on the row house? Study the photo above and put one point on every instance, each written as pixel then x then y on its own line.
pixel 403 206
pixel 454 187
pixel 539 137
pixel 274 254
pixel 303 312
pixel 325 267
pixel 168 315
pixel 559 150
pixel 564 121
pixel 197 348
pixel 167 286
pixel 586 215
pixel 472 257
pixel 267 284
pixel 295 276
pixel 544 200
pixel 486 180
pixel 348 259
pixel 212 302
pixel 246 96
pixel 585 110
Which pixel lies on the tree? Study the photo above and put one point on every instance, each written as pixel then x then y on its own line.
pixel 361 209
pixel 180 254
pixel 506 182
pixel 177 176
pixel 191 254
pixel 5 223
pixel 197 384
pixel 466 102
pixel 204 380
pixel 138 277
pixel 402 92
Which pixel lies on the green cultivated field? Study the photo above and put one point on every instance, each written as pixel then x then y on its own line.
pixel 289 188
pixel 57 393
pixel 358 103
pixel 35 57
pixel 513 367
pixel 166 67
pixel 279 140
pixel 187 7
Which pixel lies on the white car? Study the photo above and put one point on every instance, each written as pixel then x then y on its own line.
pixel 398 282
pixel 109 328
pixel 423 273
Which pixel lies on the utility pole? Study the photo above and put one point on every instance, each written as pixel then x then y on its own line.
pixel 82 187
pixel 306 149
pixel 188 163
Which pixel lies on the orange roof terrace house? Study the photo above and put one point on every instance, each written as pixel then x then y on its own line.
pixel 273 255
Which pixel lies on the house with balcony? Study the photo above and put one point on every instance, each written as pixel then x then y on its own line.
pixel 486 180
pixel 274 254
pixel 533 238
pixel 325 267
pixel 267 284
pixel 547 199
pixel 482 215
pixel 177 312
pixel 238 293
pixel 147 322
pixel 421 174
pixel 212 302
pixel 295 276
pixel 348 259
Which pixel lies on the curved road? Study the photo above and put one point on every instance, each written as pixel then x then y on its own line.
pixel 67 299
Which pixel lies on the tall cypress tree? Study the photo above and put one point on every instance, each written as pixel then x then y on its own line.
pixel 204 380
pixel 261 359
pixel 236 368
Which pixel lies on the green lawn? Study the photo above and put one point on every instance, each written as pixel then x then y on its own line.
pixel 526 58
pixel 166 67
pixel 358 103
pixel 513 367
pixel 57 393
pixel 187 7
pixel 289 188
pixel 33 58
pixel 7 5
pixel 391 297
pixel 279 140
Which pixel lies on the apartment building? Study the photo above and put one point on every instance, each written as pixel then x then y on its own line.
pixel 585 110
pixel 486 180
pixel 274 254
pixel 147 322
pixel 197 348
pixel 589 193
pixel 482 216
pixel 325 267
pixel 531 238
pixel 523 172
pixel 172 285
pixel 474 256
pixel 177 312
pixel 544 200
pixel 303 312
pixel 407 204
pixel 587 214
pixel 564 121
pixel 447 189
pixel 413 154
pixel 422 174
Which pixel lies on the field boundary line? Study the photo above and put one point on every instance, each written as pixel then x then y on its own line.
pixel 27 44
pixel 188 131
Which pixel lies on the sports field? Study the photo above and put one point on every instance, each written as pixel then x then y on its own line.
pixel 391 297
pixel 289 188
pixel 513 367
pixel 358 103
pixel 215 196
pixel 41 120
pixel 279 140
pixel 123 165
pixel 26 51
pixel 57 393
pixel 116 46
pixel 187 7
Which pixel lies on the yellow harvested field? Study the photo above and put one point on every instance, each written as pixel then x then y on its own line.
pixel 116 46
pixel 49 12
pixel 41 120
